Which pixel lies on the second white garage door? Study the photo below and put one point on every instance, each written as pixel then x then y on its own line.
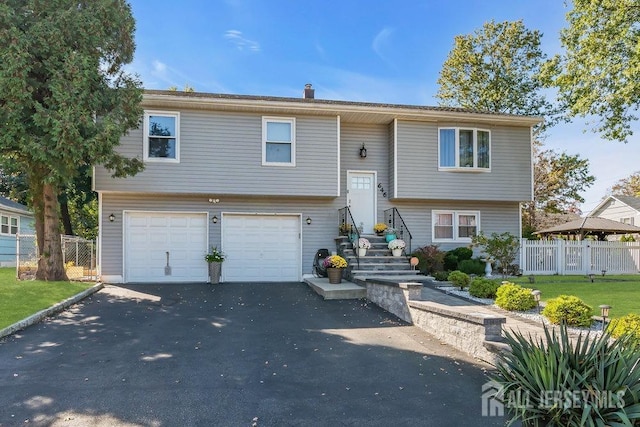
pixel 261 248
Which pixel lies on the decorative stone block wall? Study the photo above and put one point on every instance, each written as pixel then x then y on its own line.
pixel 459 327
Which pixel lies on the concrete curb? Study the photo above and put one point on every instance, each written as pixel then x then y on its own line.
pixel 56 308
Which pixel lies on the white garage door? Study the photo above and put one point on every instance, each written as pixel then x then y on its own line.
pixel 150 236
pixel 261 248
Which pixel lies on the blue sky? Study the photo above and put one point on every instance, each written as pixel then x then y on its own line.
pixel 375 51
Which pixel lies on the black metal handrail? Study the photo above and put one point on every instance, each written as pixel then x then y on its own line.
pixel 394 220
pixel 347 227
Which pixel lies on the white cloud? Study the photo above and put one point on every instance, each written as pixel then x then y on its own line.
pixel 381 42
pixel 159 67
pixel 241 43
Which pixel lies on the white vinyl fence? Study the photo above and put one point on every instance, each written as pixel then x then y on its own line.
pixel 579 257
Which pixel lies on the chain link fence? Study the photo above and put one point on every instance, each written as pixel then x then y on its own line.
pixel 78 256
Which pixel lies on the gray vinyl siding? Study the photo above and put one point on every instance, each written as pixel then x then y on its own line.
pixel 375 138
pixel 494 217
pixel 221 154
pixel 320 234
pixel 419 178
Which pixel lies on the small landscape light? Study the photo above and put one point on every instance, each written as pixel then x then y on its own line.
pixel 591 277
pixel 536 296
pixel 604 272
pixel 604 311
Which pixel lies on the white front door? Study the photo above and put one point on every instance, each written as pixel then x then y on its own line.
pixel 361 198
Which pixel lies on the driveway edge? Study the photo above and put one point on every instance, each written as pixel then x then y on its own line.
pixel 56 308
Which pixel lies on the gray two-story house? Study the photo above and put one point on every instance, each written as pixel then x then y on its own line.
pixel 263 179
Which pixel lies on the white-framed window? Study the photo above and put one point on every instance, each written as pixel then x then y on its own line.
pixel 454 226
pixel 278 141
pixel 627 220
pixel 464 148
pixel 161 136
pixel 9 224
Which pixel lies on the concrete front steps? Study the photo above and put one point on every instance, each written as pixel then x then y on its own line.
pixel 378 262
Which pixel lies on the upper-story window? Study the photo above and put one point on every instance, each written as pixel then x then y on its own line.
pixel 161 136
pixel 461 148
pixel 454 226
pixel 627 220
pixel 278 141
pixel 8 225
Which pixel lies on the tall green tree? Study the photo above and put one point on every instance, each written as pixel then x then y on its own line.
pixel 65 100
pixel 598 76
pixel 558 180
pixel 629 186
pixel 497 69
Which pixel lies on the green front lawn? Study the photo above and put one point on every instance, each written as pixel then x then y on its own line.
pixel 622 293
pixel 21 299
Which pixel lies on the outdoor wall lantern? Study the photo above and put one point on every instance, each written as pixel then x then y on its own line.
pixel 112 218
pixel 536 296
pixel 214 219
pixel 363 151
pixel 604 311
pixel 308 220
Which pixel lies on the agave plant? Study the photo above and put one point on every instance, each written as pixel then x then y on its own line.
pixel 590 381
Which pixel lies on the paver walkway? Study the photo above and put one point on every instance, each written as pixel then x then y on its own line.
pixel 233 355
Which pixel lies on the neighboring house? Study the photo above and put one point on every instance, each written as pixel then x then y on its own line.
pixel 15 219
pixel 624 209
pixel 263 178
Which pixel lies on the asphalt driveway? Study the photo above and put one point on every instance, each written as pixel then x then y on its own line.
pixel 233 355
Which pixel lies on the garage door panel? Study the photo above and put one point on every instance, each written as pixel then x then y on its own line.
pixel 261 248
pixel 150 235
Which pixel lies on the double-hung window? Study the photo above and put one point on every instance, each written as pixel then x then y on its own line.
pixel 161 136
pixel 278 141
pixel 455 226
pixel 8 225
pixel 461 148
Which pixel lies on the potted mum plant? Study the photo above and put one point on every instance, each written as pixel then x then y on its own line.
pixel 397 246
pixel 363 245
pixel 379 228
pixel 335 264
pixel 215 259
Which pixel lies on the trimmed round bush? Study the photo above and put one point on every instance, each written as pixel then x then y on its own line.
pixel 472 266
pixel 514 297
pixel 441 276
pixel 459 279
pixel 450 262
pixel 462 253
pixel 626 325
pixel 482 287
pixel 568 309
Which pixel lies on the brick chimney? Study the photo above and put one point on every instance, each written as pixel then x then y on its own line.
pixel 309 92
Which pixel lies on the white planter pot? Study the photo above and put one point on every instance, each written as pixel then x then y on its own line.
pixel 396 252
pixel 362 251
